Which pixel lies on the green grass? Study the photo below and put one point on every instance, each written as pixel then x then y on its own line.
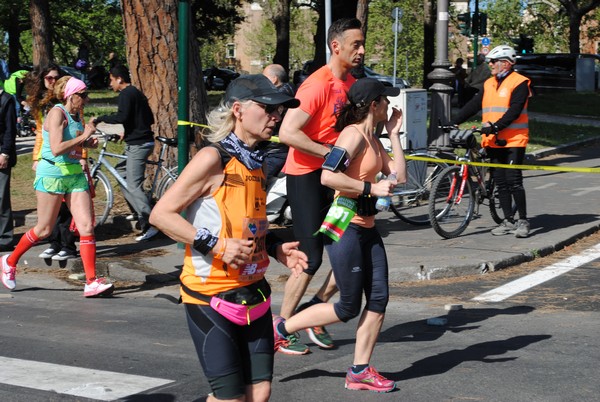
pixel 567 103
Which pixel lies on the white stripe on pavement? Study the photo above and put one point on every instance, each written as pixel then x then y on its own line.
pixel 87 383
pixel 541 276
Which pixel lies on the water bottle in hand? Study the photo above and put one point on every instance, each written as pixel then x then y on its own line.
pixel 383 203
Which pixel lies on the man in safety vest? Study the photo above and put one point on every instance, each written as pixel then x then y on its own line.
pixel 505 130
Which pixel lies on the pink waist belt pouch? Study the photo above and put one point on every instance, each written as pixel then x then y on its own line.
pixel 241 306
pixel 240 314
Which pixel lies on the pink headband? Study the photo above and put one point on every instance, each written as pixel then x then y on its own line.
pixel 73 86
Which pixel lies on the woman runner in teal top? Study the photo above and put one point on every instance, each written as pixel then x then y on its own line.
pixel 60 175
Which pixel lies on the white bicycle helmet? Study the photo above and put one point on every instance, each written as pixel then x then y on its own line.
pixel 502 52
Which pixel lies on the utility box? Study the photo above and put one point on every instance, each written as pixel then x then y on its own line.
pixel 585 80
pixel 413 103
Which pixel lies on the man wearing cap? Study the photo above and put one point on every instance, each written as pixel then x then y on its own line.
pixel 308 130
pixel 225 229
pixel 505 133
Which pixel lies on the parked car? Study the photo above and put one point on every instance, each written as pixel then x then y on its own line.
pixel 359 72
pixel 552 71
pixel 217 79
pixel 387 80
pixel 301 75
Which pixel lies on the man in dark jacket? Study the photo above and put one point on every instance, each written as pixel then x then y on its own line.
pixel 8 159
pixel 136 117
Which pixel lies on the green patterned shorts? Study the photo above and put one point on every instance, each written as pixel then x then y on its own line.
pixel 61 185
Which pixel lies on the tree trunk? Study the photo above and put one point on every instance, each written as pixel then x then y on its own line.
pixel 151 30
pixel 362 14
pixel 281 19
pixel 14 38
pixel 574 31
pixel 41 31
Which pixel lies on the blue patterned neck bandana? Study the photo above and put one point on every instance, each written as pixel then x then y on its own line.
pixel 238 149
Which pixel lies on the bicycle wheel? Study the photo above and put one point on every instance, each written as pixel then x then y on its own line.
pixel 410 201
pixel 103 200
pixel 449 216
pixel 495 207
pixel 166 182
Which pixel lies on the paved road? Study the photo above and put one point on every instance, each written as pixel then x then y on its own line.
pixel 536 346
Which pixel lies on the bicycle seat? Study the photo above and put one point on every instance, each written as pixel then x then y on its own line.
pixel 172 142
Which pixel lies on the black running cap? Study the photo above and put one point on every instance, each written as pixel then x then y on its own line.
pixel 366 90
pixel 258 88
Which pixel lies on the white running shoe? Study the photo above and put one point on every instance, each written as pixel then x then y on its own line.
pixel 48 253
pixel 148 234
pixel 99 287
pixel 64 255
pixel 8 274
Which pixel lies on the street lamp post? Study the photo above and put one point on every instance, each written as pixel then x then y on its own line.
pixel 442 79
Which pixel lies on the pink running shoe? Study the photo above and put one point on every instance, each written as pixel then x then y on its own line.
pixel 8 274
pixel 370 380
pixel 99 287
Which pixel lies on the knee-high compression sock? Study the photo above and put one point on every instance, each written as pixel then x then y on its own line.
pixel 87 250
pixel 28 240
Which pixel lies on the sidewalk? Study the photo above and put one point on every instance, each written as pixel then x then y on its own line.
pixel 562 208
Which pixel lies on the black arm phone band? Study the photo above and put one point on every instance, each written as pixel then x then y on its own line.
pixel 337 160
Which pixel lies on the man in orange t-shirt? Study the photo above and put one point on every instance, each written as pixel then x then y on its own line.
pixel 308 130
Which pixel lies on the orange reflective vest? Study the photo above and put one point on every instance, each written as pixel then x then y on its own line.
pixel 496 101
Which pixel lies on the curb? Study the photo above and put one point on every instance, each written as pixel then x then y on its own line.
pixel 570 146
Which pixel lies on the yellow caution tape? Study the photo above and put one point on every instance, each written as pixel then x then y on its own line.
pixel 504 166
pixel 189 123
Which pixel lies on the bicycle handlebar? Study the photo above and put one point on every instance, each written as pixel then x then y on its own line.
pixel 108 137
pixel 448 128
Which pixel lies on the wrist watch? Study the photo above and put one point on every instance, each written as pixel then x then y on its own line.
pixel 7 156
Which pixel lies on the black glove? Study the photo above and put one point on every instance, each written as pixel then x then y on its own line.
pixel 491 129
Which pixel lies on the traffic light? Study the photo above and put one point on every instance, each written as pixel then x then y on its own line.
pixel 524 44
pixel 482 24
pixel 464 23
pixel 527 45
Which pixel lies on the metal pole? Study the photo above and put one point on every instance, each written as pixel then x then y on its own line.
pixel 327 25
pixel 395 42
pixel 442 79
pixel 182 85
pixel 475 33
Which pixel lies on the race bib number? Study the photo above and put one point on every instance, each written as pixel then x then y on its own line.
pixel 338 217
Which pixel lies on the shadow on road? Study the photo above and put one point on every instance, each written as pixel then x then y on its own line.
pixel 480 352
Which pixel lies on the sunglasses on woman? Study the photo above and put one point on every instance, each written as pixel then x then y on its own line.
pixel 269 109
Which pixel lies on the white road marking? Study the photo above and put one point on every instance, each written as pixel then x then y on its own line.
pixel 584 191
pixel 86 383
pixel 545 186
pixel 545 274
